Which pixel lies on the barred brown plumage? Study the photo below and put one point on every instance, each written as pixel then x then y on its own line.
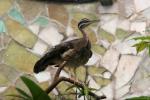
pixel 81 47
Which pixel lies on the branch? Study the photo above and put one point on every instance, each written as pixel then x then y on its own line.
pixel 61 66
pixel 73 82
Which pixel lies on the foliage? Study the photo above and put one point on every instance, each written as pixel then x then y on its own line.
pixel 139 98
pixel 144 42
pixel 82 91
pixel 140 46
pixel 36 91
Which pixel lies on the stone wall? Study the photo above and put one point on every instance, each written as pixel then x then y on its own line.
pixel 29 29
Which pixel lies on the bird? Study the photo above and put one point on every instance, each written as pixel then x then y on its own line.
pixel 60 52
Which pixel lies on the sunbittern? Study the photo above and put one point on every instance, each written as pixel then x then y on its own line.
pixel 57 55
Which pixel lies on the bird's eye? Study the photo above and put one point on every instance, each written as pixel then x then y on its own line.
pixel 85 19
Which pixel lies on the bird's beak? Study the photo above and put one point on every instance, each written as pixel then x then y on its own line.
pixel 95 21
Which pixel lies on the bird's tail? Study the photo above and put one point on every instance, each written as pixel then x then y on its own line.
pixel 41 65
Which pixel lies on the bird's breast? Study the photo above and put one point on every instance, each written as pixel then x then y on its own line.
pixel 80 58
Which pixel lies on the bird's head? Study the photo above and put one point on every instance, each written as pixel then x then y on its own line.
pixel 86 22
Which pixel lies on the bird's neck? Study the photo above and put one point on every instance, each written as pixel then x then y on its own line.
pixel 84 38
pixel 84 34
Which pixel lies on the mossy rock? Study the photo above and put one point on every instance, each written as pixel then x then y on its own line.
pixel 121 34
pixel 101 81
pixel 98 49
pixel 104 35
pixel 19 58
pixel 93 70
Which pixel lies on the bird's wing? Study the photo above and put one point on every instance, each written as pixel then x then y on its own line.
pixel 51 57
pixel 54 57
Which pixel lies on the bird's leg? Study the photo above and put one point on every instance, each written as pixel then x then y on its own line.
pixel 67 56
pixel 70 72
pixel 75 74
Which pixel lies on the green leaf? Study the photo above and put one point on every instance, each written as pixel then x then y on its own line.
pixel 23 93
pixel 140 98
pixel 140 46
pixel 36 91
pixel 142 38
pixel 18 96
pixel 149 49
pixel 86 90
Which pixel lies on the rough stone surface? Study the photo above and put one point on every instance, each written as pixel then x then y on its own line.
pixel 121 34
pixel 126 47
pixel 51 35
pixel 25 60
pixel 95 71
pixel 123 24
pixel 40 48
pixel 109 23
pixel 2 27
pixel 34 28
pixel 4 40
pixel 43 76
pixel 22 35
pixel 140 85
pixel 60 14
pixel 126 8
pixel 16 15
pixel 110 60
pixel 140 5
pixel 42 21
pixel 81 73
pixel 30 9
pixel 93 60
pixel 92 83
pixel 98 49
pixel 146 13
pixel 102 81
pixel 138 27
pixel 127 64
pixel 28 29
pixel 2 89
pixel 3 80
pixel 5 6
pixel 104 35
pixel 9 72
